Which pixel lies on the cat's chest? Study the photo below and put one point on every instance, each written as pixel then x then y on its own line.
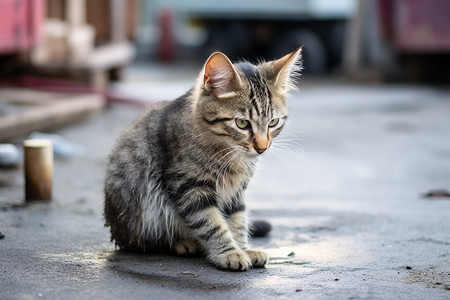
pixel 228 185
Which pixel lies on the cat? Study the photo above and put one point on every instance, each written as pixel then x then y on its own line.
pixel 176 177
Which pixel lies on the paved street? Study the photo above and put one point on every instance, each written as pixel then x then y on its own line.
pixel 343 188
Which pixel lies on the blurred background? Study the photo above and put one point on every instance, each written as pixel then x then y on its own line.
pixel 356 189
pixel 75 47
pixel 399 39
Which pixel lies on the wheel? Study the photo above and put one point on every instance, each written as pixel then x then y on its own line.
pixel 315 58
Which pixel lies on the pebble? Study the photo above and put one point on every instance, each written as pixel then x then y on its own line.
pixel 9 156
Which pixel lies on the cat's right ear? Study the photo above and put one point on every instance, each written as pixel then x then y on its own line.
pixel 286 69
pixel 220 76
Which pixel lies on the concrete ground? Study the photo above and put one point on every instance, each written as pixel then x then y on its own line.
pixel 343 189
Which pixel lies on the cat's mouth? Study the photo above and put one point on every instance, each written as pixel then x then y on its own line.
pixel 253 152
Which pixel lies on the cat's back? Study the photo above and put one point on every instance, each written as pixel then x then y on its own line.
pixel 134 174
pixel 134 152
pixel 141 134
pixel 149 119
pixel 142 145
pixel 146 128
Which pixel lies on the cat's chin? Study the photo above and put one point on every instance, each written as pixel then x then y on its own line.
pixel 253 155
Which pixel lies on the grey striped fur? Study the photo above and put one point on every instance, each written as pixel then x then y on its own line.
pixel 176 177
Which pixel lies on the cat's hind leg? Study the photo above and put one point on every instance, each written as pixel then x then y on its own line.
pixel 185 247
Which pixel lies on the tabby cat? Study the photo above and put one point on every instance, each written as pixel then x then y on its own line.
pixel 176 177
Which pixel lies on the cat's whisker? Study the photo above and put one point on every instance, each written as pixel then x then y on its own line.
pixel 224 150
pixel 223 161
pixel 288 140
pixel 289 129
pixel 229 163
pixel 221 175
pixel 224 157
pixel 292 153
pixel 284 159
pixel 212 162
pixel 230 158
pixel 294 148
pixel 280 155
pixel 239 160
pixel 291 146
pixel 294 142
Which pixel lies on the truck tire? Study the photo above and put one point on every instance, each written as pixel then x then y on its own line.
pixel 315 58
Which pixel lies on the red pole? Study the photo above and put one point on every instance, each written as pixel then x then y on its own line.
pixel 166 51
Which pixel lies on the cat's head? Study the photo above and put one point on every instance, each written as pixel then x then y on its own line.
pixel 244 104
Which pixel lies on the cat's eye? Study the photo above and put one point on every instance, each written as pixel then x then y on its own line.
pixel 242 124
pixel 274 122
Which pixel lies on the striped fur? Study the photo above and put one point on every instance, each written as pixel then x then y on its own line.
pixel 176 177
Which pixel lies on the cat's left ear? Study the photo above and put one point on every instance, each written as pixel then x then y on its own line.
pixel 220 76
pixel 286 69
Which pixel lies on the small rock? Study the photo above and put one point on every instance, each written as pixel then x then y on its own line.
pixel 259 228
pixel 437 194
pixel 2 235
pixel 298 290
pixel 408 268
pixel 9 156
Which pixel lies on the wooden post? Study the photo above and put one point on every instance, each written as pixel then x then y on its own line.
pixel 38 156
pixel 76 12
pixel 118 13
pixel 353 52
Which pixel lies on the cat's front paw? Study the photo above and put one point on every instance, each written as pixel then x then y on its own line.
pixel 234 260
pixel 257 257
pixel 186 248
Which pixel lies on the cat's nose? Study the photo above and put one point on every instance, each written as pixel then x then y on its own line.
pixel 260 150
pixel 260 144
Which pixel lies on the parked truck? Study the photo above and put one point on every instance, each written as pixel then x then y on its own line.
pixel 252 28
